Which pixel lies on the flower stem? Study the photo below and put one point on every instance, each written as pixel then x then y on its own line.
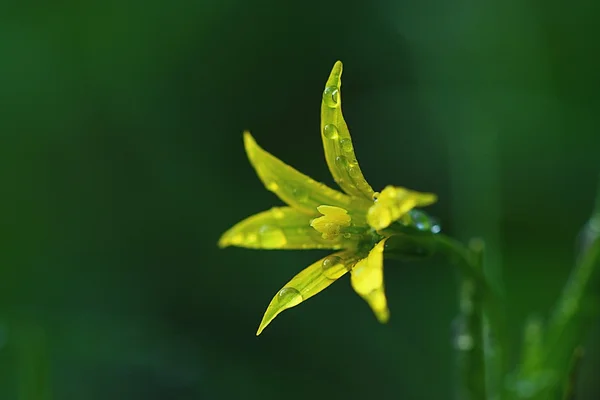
pixel 482 365
pixel 469 340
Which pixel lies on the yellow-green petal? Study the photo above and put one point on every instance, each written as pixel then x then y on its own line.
pixel 307 283
pixel 367 281
pixel 290 185
pixel 339 151
pixel 280 228
pixel 393 203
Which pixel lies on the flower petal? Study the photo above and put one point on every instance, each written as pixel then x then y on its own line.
pixel 367 281
pixel 393 203
pixel 281 228
pixel 339 151
pixel 290 185
pixel 307 283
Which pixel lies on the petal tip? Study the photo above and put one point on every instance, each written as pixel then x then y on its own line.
pixel 383 316
pixel 264 323
pixel 251 147
pixel 428 199
pixel 248 140
pixel 336 74
pixel 225 240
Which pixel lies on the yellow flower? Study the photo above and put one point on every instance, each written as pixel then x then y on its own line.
pixel 318 217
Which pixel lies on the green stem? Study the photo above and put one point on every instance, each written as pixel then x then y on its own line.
pixel 486 321
pixel 553 375
pixel 469 340
pixel 571 315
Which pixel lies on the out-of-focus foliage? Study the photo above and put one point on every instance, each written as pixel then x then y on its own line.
pixel 120 147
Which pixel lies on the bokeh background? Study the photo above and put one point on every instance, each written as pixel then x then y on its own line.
pixel 121 163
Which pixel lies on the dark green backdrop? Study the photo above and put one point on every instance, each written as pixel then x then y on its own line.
pixel 121 163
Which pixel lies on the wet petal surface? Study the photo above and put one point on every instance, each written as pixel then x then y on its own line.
pixel 290 185
pixel 393 203
pixel 307 283
pixel 367 281
pixel 280 228
pixel 339 151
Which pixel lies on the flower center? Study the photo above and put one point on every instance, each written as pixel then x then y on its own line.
pixel 331 223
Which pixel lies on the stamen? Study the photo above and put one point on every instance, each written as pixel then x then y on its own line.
pixel 331 223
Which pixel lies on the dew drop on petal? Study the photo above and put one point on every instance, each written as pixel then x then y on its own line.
pixel 288 297
pixel 272 186
pixel 331 96
pixel 237 239
pixel 277 213
pixel 328 266
pixel 464 342
pixel 341 162
pixel 330 131
pixel 354 172
pixel 346 145
pixel 271 237
pixel 251 239
pixel 300 194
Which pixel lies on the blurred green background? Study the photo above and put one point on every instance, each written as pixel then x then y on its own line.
pixel 121 163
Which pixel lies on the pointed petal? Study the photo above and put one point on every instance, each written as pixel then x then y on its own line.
pixel 367 281
pixel 339 151
pixel 281 228
pixel 290 185
pixel 393 203
pixel 307 283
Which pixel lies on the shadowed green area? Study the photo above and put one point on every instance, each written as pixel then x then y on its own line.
pixel 122 162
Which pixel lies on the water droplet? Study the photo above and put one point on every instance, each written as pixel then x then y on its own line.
pixel 300 194
pixel 419 220
pixel 251 238
pixel 354 172
pixel 346 145
pixel 272 186
pixel 331 96
pixel 271 237
pixel 375 196
pixel 464 342
pixel 341 162
pixel 330 131
pixel 331 267
pixel 277 213
pixel 237 239
pixel 347 235
pixel 289 297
